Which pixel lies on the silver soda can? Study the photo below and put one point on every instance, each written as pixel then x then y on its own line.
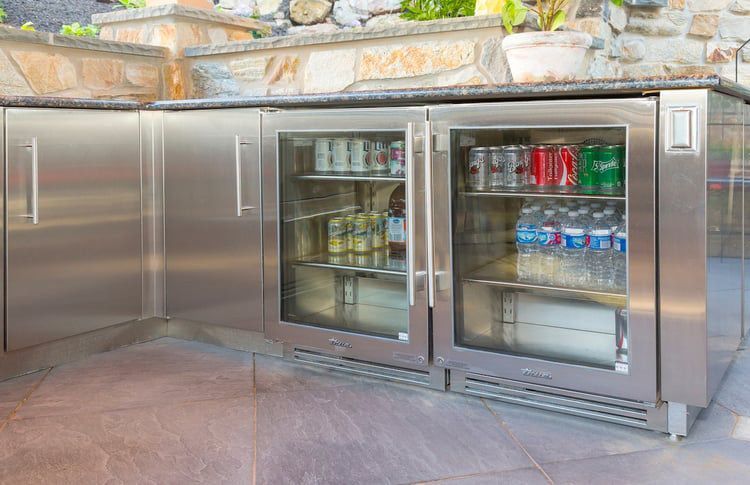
pixel 342 161
pixel 360 156
pixel 380 158
pixel 323 155
pixel 477 169
pixel 515 166
pixel 497 168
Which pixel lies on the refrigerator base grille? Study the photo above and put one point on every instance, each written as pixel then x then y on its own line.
pixel 629 413
pixel 435 378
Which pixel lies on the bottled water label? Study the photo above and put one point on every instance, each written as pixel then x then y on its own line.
pixel 621 243
pixel 548 237
pixel 574 240
pixel 525 234
pixel 600 240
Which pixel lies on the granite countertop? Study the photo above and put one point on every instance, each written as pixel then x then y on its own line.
pixel 498 92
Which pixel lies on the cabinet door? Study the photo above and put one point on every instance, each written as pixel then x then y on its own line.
pixel 73 222
pixel 212 210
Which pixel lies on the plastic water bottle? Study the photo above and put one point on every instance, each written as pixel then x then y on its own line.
pixel 537 208
pixel 620 258
pixel 584 216
pixel 599 254
pixel 526 229
pixel 548 240
pixel 612 218
pixel 572 250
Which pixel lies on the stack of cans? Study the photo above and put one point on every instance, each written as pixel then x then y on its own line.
pixel 357 233
pixel 359 156
pixel 564 167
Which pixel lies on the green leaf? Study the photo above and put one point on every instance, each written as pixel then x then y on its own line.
pixel 557 20
pixel 617 2
pixel 28 27
pixel 513 14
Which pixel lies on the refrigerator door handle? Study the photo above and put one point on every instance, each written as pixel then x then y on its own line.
pixel 410 207
pixel 34 215
pixel 429 225
pixel 238 144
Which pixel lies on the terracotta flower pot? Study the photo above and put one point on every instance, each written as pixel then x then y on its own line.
pixel 546 56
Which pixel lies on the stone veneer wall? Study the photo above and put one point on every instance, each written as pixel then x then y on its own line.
pixel 37 63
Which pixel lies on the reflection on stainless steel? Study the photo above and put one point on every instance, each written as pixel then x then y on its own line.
pixel 352 304
pixel 213 240
pixel 75 265
pixel 488 322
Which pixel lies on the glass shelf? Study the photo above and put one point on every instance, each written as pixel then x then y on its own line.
pixel 578 194
pixel 350 176
pixel 375 262
pixel 502 272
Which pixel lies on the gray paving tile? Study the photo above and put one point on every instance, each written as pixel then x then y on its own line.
pixel 734 392
pixel 166 371
pixel 723 461
pixel 381 433
pixel 274 374
pixel 205 442
pixel 523 476
pixel 714 422
pixel 550 436
pixel 12 391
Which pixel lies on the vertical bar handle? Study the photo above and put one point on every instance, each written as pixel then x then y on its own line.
pixel 34 216
pixel 429 224
pixel 410 208
pixel 238 144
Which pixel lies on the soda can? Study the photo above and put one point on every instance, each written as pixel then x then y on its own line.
pixel 341 150
pixel 380 158
pixel 398 159
pixel 362 260
pixel 379 258
pixel 360 155
pixel 477 177
pixel 362 234
pixel 377 224
pixel 349 232
pixel 566 165
pixel 515 166
pixel 337 233
pixel 543 166
pixel 609 167
pixel 323 155
pixel 497 174
pixel 342 258
pixel 588 177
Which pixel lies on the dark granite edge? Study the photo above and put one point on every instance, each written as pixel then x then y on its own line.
pixel 500 92
pixel 10 34
pixel 400 97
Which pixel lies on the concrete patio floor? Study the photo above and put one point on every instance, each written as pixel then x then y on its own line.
pixel 171 411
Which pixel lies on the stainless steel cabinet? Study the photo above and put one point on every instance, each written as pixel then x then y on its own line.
pixel 212 217
pixel 73 222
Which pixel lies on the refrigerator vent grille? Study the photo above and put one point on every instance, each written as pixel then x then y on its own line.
pixel 355 366
pixel 629 413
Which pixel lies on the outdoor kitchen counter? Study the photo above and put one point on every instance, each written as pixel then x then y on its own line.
pixel 518 91
pixel 499 92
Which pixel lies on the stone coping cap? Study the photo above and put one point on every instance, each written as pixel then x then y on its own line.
pixel 361 33
pixel 174 10
pixel 88 43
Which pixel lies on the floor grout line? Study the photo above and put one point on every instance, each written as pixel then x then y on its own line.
pixel 470 475
pixel 255 425
pixel 516 440
pixel 23 400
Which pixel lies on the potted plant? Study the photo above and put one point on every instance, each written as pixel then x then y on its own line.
pixel 548 54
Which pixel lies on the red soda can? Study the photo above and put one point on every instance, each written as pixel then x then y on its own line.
pixel 543 165
pixel 566 165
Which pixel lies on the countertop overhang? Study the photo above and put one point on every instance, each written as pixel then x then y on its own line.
pixel 400 97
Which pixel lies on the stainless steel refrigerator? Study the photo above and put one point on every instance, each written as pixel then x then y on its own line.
pixel 334 298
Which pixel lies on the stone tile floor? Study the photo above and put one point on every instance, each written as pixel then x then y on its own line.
pixel 171 411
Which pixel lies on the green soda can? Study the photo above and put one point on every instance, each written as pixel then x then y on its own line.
pixel 588 178
pixel 609 167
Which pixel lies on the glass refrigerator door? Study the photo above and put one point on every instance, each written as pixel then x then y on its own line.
pixel 537 201
pixel 344 216
pixel 343 231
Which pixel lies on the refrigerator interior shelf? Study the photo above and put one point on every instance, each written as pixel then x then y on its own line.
pixel 502 272
pixel 324 261
pixel 619 195
pixel 350 177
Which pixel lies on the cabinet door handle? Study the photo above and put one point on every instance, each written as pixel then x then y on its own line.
pixel 410 207
pixel 34 215
pixel 238 144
